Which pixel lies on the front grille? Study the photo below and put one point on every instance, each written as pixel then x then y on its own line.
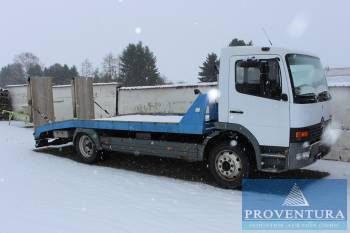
pixel 314 130
pixel 315 133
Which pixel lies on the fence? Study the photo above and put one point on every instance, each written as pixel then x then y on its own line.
pixel 104 93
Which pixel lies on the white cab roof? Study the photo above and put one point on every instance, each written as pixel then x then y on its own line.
pixel 254 50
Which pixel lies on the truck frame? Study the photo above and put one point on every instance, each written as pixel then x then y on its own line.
pixel 257 124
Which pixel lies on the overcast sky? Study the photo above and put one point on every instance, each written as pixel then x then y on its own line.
pixel 180 33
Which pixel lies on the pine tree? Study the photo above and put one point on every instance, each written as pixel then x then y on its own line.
pixel 138 67
pixel 61 74
pixel 209 71
pixel 238 42
pixel 35 70
pixel 73 73
pixel 12 74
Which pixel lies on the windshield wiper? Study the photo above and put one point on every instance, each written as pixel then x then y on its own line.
pixel 307 97
pixel 313 95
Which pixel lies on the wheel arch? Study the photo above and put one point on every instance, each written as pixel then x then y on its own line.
pixel 92 133
pixel 228 132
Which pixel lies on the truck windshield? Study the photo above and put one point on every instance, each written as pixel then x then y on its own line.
pixel 308 78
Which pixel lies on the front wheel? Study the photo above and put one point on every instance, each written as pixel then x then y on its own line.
pixel 228 165
pixel 86 149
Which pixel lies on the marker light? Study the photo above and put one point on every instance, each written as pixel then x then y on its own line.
pixel 302 134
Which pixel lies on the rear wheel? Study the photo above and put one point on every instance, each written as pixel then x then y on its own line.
pixel 86 149
pixel 228 165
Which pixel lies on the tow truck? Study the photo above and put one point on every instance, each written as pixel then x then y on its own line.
pixel 268 114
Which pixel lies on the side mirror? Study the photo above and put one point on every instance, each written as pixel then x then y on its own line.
pixel 284 97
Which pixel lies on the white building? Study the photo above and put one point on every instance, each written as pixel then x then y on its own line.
pixel 164 99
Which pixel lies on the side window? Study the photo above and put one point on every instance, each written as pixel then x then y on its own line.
pixel 259 78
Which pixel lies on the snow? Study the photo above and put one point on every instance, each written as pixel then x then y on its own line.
pixel 138 30
pixel 146 118
pixel 41 192
pixel 213 95
pixel 331 134
pixel 298 26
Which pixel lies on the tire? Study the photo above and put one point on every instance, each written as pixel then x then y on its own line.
pixel 228 165
pixel 86 149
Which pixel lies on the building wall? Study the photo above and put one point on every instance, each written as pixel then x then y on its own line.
pixel 105 95
pixel 177 99
pixel 341 105
pixel 18 95
pixel 341 119
pixel 170 99
pixel 62 100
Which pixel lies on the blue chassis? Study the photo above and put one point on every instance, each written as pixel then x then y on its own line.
pixel 193 122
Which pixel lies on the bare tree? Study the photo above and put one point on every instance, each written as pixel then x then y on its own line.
pixel 87 69
pixel 27 60
pixel 110 66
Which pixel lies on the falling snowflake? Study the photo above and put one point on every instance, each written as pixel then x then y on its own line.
pixel 306 144
pixel 298 26
pixel 213 95
pixel 233 143
pixel 136 153
pixel 138 30
pixel 331 134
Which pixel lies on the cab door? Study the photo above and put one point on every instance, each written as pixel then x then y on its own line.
pixel 259 98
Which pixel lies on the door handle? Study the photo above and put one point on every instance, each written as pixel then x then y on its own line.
pixel 236 111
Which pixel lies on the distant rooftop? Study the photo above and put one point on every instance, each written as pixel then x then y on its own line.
pixel 338 77
pixel 339 81
pixel 181 85
pixel 66 85
pixel 341 71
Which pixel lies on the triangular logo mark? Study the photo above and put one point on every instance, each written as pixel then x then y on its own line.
pixel 295 197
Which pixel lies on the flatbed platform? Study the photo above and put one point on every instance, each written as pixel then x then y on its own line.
pixel 145 118
pixel 193 122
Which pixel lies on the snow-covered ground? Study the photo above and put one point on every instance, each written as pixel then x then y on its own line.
pixel 43 191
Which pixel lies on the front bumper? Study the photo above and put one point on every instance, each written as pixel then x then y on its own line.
pixel 299 155
pixel 297 160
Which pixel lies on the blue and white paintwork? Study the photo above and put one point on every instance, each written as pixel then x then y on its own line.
pixel 193 122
